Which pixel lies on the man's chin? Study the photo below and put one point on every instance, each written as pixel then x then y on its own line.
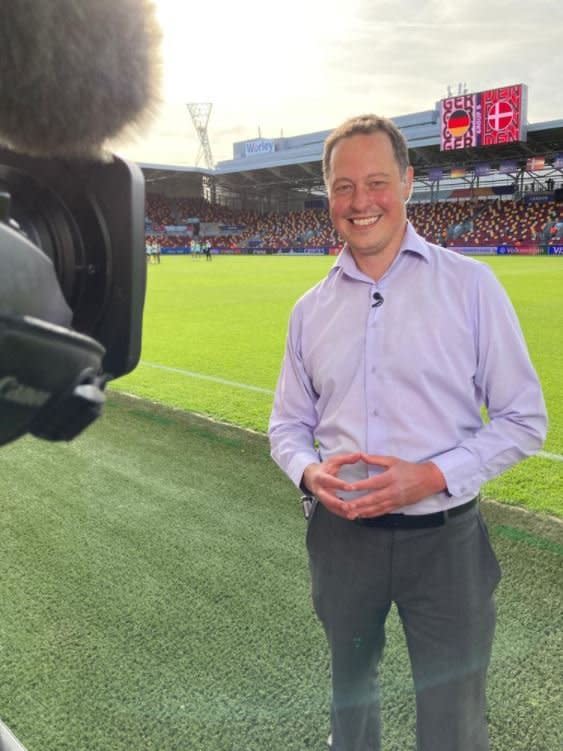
pixel 365 248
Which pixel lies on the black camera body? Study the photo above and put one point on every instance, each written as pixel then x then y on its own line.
pixel 72 288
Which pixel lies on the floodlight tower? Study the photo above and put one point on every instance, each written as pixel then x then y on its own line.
pixel 200 112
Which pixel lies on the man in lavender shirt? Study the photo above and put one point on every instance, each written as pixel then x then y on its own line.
pixel 377 415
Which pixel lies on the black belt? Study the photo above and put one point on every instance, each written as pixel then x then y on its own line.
pixel 411 521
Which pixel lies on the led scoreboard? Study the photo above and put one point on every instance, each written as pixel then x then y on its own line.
pixel 487 118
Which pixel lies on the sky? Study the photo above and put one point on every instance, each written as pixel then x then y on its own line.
pixel 299 66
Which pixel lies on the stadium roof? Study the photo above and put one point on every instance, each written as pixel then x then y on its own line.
pixel 275 166
pixel 155 173
pixel 296 162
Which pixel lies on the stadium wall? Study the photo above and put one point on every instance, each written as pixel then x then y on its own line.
pixel 529 249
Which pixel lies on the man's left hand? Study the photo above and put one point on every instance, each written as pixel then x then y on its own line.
pixel 400 484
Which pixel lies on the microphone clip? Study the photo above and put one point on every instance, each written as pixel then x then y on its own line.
pixel 378 300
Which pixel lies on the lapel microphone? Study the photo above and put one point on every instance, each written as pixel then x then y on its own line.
pixel 378 300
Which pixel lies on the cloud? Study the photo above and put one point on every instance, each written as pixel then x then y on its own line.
pixel 393 58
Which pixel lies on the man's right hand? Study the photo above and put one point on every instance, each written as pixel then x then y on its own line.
pixel 322 480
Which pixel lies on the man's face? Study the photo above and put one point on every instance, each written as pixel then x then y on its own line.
pixel 367 194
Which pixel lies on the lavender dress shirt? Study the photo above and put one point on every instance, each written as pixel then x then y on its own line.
pixel 408 378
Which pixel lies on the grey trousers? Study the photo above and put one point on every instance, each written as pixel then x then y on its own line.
pixel 442 580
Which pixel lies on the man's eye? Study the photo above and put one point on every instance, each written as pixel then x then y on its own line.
pixel 341 189
pixel 376 184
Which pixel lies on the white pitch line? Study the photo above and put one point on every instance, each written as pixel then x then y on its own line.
pixel 203 377
pixel 248 387
pixel 553 457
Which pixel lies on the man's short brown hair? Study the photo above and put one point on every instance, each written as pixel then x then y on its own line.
pixel 366 125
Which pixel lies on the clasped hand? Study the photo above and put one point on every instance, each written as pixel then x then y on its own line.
pixel 401 483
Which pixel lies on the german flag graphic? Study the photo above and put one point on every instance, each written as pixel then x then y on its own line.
pixel 459 123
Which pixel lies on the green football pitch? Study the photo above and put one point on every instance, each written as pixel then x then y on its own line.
pixel 154 586
pixel 214 336
pixel 155 597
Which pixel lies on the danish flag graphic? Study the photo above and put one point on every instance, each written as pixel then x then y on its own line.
pixel 500 115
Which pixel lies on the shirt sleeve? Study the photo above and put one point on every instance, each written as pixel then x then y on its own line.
pixel 509 387
pixel 294 417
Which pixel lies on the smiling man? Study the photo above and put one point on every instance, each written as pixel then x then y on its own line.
pixel 377 416
pixel 368 206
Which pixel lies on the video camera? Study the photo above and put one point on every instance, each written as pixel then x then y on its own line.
pixel 72 286
pixel 74 74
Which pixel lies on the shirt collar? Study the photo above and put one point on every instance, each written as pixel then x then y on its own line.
pixel 412 243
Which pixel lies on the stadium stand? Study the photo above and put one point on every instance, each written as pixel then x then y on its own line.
pixel 499 194
pixel 452 223
pixel 482 222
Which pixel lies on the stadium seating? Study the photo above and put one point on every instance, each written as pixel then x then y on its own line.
pixel 450 223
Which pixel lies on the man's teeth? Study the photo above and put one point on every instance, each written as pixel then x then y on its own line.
pixel 365 222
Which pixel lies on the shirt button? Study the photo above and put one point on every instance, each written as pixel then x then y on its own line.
pixel 373 369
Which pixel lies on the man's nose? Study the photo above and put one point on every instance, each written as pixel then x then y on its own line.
pixel 360 198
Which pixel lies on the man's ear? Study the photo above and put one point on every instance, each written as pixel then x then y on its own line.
pixel 408 181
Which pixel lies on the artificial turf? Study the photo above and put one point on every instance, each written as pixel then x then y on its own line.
pixel 155 597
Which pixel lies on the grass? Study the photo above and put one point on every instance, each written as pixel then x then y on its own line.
pixel 227 320
pixel 155 597
pixel 154 582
